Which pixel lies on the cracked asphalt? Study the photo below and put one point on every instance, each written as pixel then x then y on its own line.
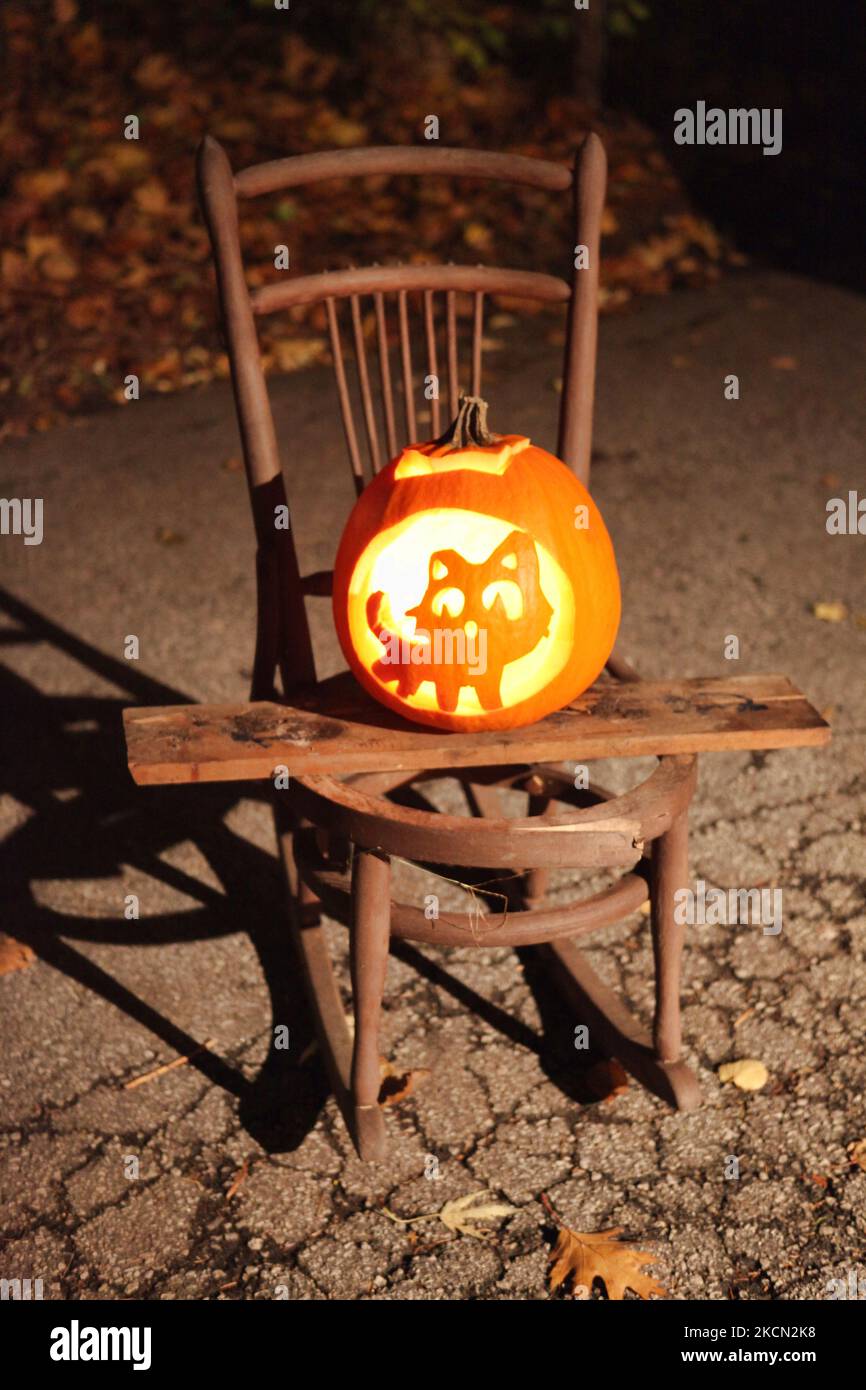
pixel 231 1176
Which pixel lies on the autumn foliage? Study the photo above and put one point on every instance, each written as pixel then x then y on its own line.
pixel 105 266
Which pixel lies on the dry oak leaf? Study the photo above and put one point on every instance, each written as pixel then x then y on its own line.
pixel 747 1073
pixel 582 1257
pixel 464 1218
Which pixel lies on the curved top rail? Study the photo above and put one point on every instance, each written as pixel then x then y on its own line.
pixel 339 284
pixel 401 159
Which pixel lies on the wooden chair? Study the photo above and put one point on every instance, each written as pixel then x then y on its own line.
pixel 341 821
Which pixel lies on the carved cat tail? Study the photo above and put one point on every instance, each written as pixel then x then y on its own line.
pixel 374 608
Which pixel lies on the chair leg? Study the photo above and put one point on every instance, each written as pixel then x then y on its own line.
pixel 536 881
pixel 655 1062
pixel 370 935
pixel 308 933
pixel 669 872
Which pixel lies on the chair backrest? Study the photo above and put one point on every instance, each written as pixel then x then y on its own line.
pixel 283 637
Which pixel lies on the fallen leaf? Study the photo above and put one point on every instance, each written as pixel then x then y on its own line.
pixel 290 354
pixel 477 236
pixel 339 130
pixel 235 128
pixel 239 1179
pixel 164 366
pixel 857 1153
pixel 87 220
pixel 464 1218
pixel 58 265
pixel 127 156
pixel 747 1074
pixel 607 1078
pixel 42 184
pixel 86 45
pixel 160 304
pixel 38 246
pixel 397 1085
pixel 156 72
pixel 13 268
pixel 579 1258
pixel 460 1215
pixel 14 955
pixel 830 612
pixel 151 196
pixel 88 310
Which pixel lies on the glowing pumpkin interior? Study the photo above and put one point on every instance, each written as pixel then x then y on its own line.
pixel 402 564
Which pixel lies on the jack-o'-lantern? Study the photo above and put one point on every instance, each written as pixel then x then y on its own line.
pixel 475 585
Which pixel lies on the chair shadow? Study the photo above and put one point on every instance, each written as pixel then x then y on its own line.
pixel 62 760
pixel 569 1069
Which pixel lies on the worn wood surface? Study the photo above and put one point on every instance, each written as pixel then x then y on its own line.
pixel 337 729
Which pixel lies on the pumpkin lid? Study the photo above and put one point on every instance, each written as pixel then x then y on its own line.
pixel 466 444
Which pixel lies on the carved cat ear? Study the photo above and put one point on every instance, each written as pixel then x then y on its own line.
pixel 442 563
pixel 515 553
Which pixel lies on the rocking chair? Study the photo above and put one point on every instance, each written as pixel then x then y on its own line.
pixel 337 827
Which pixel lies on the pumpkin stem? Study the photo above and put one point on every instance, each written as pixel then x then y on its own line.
pixel 469 430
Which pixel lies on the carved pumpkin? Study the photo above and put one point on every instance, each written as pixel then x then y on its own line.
pixel 475 585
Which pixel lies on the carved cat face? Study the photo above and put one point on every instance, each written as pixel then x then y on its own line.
pixel 499 600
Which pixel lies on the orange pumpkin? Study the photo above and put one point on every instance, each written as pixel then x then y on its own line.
pixel 475 585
